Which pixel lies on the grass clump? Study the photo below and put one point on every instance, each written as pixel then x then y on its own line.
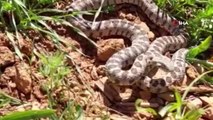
pixel 180 110
pixel 54 68
pixel 196 15
pixel 6 99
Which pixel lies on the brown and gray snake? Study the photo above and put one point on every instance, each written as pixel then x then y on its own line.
pixel 142 54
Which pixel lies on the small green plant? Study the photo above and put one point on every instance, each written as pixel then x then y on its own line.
pixel 179 109
pixel 196 51
pixel 54 68
pixel 200 26
pixel 140 109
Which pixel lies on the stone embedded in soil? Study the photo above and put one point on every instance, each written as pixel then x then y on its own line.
pixel 94 74
pixel 37 92
pixel 101 70
pixel 26 46
pixel 4 40
pixel 76 56
pixel 207 100
pixel 20 75
pixel 6 56
pixel 45 44
pixel 150 34
pixel 208 113
pixel 23 79
pixel 192 72
pixel 194 103
pixel 8 74
pixel 109 47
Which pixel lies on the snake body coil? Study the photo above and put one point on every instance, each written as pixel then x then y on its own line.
pixel 141 54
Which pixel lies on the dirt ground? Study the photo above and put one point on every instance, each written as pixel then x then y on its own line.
pixel 88 85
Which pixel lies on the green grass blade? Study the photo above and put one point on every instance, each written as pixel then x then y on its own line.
pixel 140 109
pixel 178 97
pixel 20 3
pixel 27 115
pixel 179 104
pixel 194 114
pixel 80 33
pixel 98 11
pixel 200 48
pixel 5 99
pixel 11 38
pixel 79 112
pixel 208 65
pixel 208 79
pixel 6 6
pixel 168 108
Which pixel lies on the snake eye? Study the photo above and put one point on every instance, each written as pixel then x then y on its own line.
pixel 162 82
pixel 154 82
pixel 175 22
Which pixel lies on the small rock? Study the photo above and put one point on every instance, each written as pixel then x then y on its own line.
pixel 76 56
pixel 126 94
pixel 46 44
pixel 192 72
pixel 144 26
pixel 4 40
pixel 208 113
pixel 94 74
pixel 9 73
pixel 207 100
pixel 25 45
pixel 194 102
pixel 6 56
pixel 108 47
pixel 101 70
pixel 122 15
pixel 131 17
pixel 151 35
pixel 5 79
pixel 37 92
pixel 23 78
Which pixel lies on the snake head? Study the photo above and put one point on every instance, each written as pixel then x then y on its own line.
pixel 177 27
pixel 158 85
pixel 153 85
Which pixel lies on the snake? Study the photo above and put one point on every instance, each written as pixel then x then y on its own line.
pixel 142 54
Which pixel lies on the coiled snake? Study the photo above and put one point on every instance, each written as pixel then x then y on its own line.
pixel 141 54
